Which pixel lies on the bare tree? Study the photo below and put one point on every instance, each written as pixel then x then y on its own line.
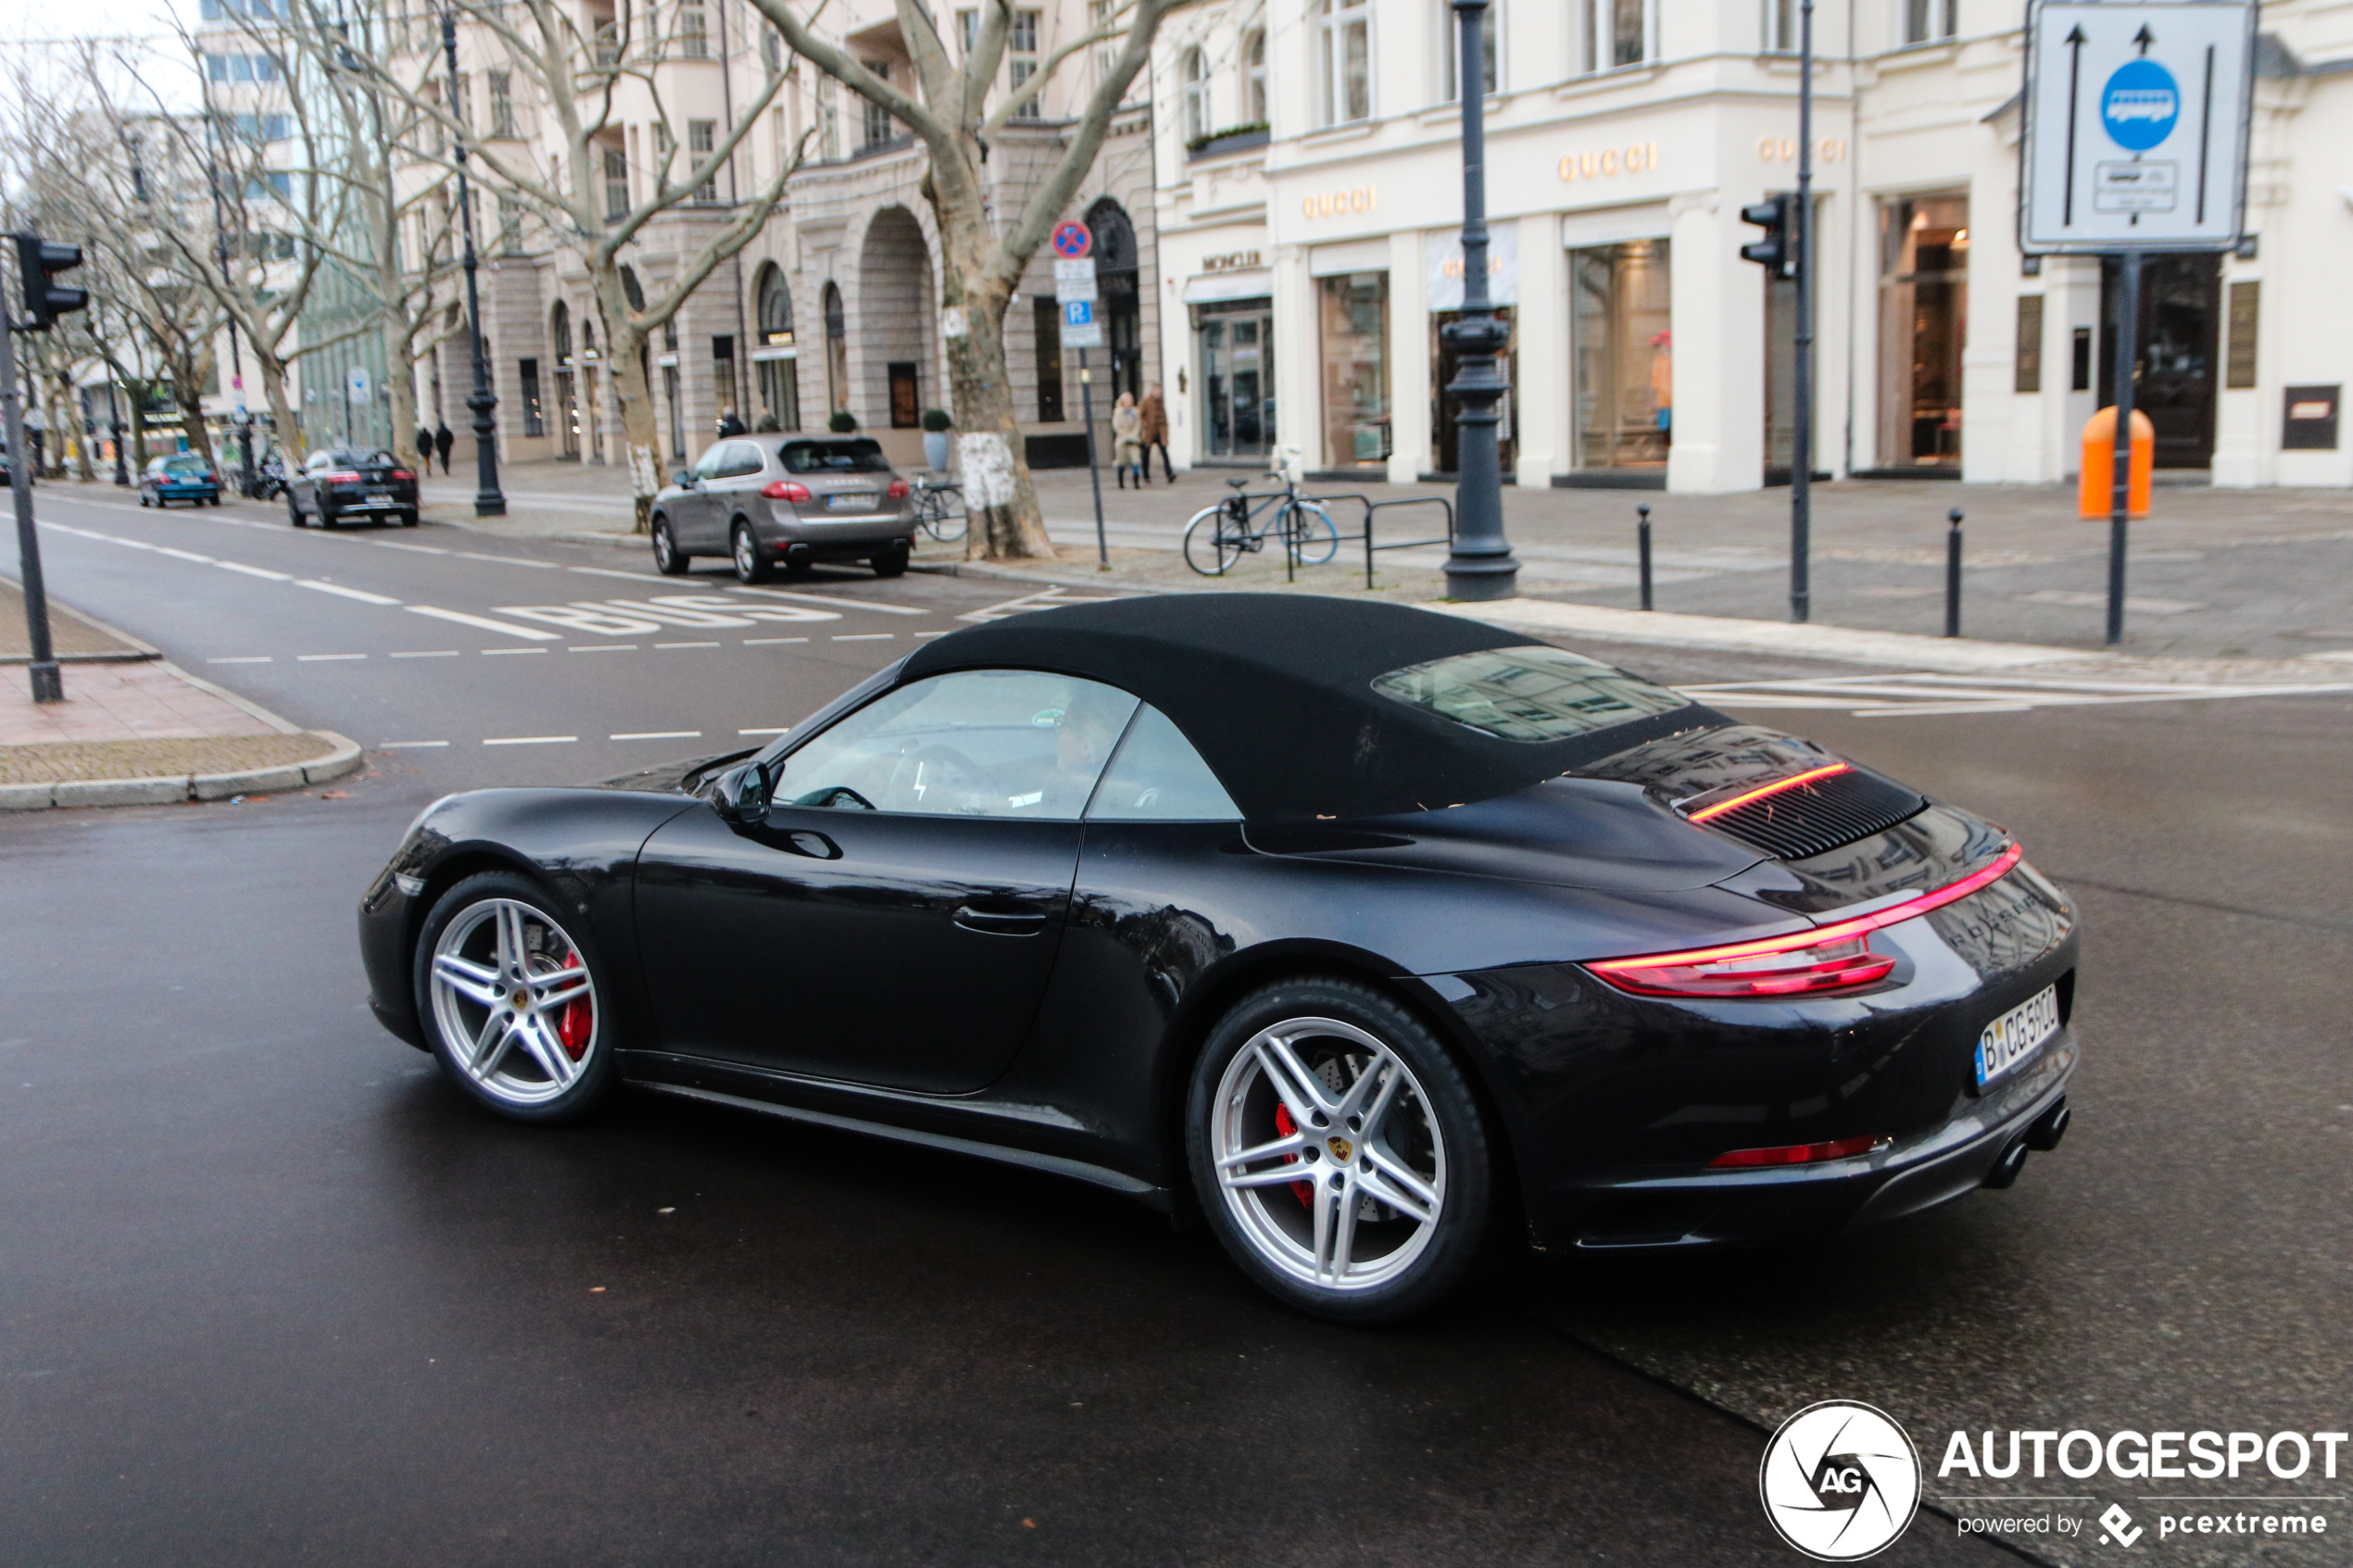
pixel 986 254
pixel 557 172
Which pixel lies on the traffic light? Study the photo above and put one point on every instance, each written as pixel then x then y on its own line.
pixel 1774 252
pixel 37 261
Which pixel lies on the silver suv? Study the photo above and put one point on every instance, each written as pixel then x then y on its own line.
pixel 794 499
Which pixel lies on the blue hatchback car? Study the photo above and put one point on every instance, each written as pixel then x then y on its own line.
pixel 180 476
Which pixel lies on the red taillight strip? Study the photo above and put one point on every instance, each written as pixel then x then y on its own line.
pixel 1794 1154
pixel 1761 791
pixel 1951 892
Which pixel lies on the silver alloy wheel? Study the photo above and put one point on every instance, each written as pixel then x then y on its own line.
pixel 1332 1164
pixel 515 1003
pixel 747 552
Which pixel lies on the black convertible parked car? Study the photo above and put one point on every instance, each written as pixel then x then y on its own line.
pixel 1359 931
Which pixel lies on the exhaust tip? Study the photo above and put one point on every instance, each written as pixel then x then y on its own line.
pixel 2049 1128
pixel 2006 1170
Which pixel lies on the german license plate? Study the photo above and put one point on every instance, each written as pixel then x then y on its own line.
pixel 2017 1035
pixel 852 501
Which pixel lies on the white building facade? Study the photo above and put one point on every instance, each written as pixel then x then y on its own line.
pixel 1309 190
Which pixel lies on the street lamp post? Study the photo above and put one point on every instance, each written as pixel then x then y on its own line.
pixel 488 502
pixel 1479 566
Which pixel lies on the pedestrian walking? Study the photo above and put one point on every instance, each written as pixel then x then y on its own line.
pixel 1128 439
pixel 442 441
pixel 1154 412
pixel 729 424
pixel 425 449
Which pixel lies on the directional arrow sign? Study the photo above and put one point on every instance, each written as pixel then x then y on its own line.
pixel 2136 126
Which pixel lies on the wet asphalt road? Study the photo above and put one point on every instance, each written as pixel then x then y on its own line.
pixel 271 1293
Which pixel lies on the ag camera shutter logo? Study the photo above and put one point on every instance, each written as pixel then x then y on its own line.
pixel 1840 1481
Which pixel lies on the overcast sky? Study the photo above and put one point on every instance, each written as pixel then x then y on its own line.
pixel 85 19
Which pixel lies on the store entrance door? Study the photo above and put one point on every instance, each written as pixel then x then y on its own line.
pixel 1238 379
pixel 2180 315
pixel 1445 409
pixel 1624 354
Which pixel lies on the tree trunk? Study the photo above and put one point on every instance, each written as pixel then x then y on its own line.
pixel 64 406
pixel 191 423
pixel 1006 522
pixel 135 394
pixel 625 376
pixel 282 415
pixel 400 387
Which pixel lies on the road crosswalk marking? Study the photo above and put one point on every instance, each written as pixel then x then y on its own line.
pixel 1925 696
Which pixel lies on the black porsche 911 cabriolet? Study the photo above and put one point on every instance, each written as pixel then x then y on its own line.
pixel 1354 929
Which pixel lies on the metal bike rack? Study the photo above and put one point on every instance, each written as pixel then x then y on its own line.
pixel 1366 534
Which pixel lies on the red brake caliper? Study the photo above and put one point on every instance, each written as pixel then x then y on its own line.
pixel 574 1021
pixel 1285 1127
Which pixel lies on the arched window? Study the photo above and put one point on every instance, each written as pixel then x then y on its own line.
pixel 775 353
pixel 1116 279
pixel 836 352
pixel 1255 78
pixel 1196 97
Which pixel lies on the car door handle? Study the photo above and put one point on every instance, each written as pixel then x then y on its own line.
pixel 816 845
pixel 1001 922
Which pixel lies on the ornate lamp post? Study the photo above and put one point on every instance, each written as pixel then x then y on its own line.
pixel 488 502
pixel 1480 564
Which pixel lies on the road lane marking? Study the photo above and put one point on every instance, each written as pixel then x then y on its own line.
pixel 772 642
pixel 183 555
pixel 436 653
pixel 360 594
pixel 488 652
pixel 779 730
pixel 609 571
pixel 241 658
pixel 600 647
pixel 481 622
pixel 504 560
pixel 657 734
pixel 701 644
pixel 325 657
pixel 255 570
pixel 833 602
pixel 408 744
pixel 1927 696
pixel 532 740
pixel 939 632
pixel 397 544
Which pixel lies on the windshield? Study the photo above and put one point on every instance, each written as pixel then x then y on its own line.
pixel 1531 694
pixel 862 456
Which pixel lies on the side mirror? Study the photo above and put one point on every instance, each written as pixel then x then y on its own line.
pixel 741 795
pixel 684 479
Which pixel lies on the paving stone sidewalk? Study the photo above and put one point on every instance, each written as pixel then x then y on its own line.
pixel 2215 574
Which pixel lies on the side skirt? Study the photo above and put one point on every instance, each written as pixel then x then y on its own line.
pixel 1160 1199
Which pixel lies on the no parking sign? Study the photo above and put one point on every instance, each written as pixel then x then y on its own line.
pixel 1071 240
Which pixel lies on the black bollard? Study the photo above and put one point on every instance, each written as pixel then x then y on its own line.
pixel 1953 574
pixel 1643 536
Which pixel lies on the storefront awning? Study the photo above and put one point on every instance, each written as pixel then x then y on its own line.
pixel 1210 287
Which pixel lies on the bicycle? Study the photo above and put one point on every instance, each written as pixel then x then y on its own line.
pixel 939 508
pixel 1298 522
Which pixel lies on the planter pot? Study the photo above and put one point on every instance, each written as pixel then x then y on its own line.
pixel 935 449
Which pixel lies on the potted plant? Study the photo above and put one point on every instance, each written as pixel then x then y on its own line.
pixel 935 427
pixel 844 422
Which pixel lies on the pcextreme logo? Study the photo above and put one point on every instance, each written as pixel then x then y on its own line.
pixel 1840 1481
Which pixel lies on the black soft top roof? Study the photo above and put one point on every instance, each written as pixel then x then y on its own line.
pixel 1277 692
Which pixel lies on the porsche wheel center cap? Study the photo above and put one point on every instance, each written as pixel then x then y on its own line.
pixel 1342 1150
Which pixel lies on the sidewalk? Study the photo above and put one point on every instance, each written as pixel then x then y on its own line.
pixel 139 731
pixel 2214 573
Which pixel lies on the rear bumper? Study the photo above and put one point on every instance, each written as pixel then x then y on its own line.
pixel 824 538
pixel 1756 1208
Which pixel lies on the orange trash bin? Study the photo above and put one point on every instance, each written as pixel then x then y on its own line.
pixel 2095 490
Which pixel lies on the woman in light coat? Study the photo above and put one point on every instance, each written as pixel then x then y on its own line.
pixel 1128 439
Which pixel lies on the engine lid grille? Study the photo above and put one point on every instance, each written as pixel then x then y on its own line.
pixel 1807 813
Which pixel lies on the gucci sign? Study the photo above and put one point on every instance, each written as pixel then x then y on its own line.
pixel 1783 149
pixel 1332 204
pixel 1632 159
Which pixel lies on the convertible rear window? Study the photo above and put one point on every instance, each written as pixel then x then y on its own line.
pixel 1534 694
pixel 862 456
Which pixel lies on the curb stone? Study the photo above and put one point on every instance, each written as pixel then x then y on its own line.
pixel 174 789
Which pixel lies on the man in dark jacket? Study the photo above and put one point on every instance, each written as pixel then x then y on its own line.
pixel 442 442
pixel 425 447
pixel 729 424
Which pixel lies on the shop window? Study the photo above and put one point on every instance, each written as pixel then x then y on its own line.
pixel 1449 32
pixel 1354 318
pixel 1923 328
pixel 535 417
pixel 722 371
pixel 1045 312
pixel 1238 378
pixel 1624 352
pixel 1446 409
pixel 778 372
pixel 1346 51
